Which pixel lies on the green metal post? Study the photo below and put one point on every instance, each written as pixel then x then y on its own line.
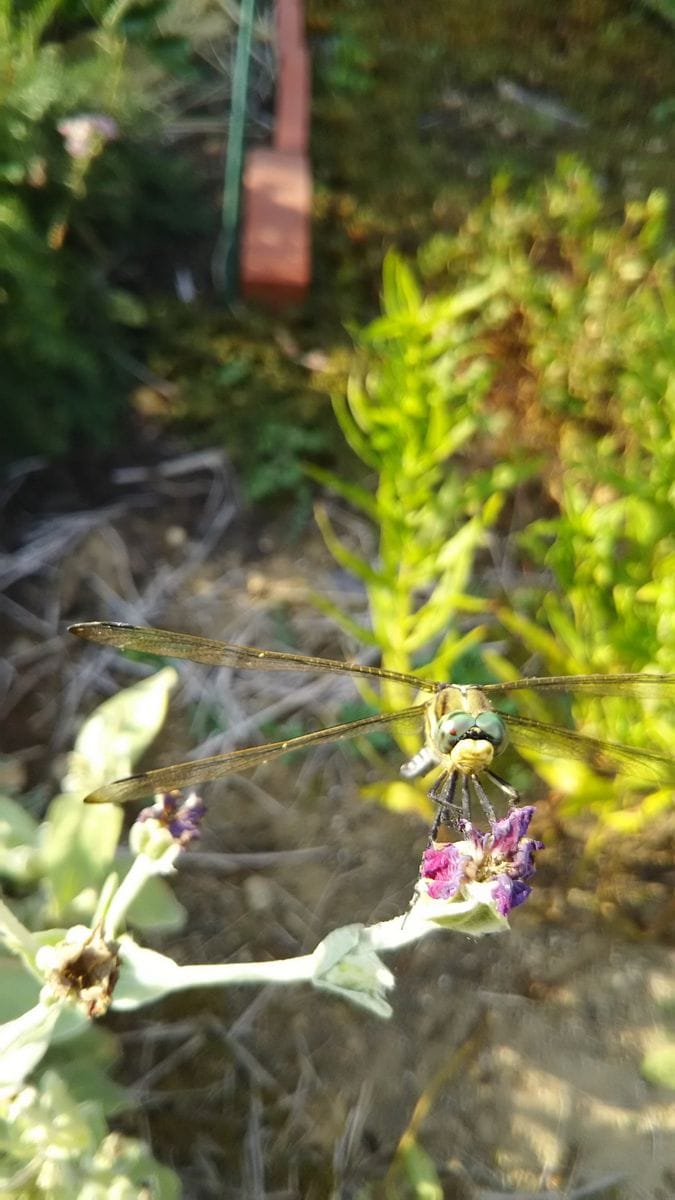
pixel 235 151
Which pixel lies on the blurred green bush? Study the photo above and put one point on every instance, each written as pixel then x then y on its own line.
pixel 415 414
pixel 579 333
pixel 57 872
pixel 544 339
pixel 86 190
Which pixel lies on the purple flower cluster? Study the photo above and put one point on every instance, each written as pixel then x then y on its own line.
pixel 181 817
pixel 443 871
pixel 502 859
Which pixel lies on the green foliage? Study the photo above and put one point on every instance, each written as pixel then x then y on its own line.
pixel 74 212
pixel 658 1064
pixel 57 869
pixel 396 164
pixel 59 865
pixel 280 449
pixel 56 1147
pixel 53 1133
pixel 579 327
pixel 420 1178
pixel 549 327
pixel 415 415
pixel 664 8
pixel 233 382
pixel 346 62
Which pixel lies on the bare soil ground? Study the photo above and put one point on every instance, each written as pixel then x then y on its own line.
pixel 513 1062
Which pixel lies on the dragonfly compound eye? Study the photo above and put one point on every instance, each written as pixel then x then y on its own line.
pixel 452 728
pixel 492 727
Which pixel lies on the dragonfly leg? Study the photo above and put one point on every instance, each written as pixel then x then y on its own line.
pixel 466 798
pixel 510 792
pixel 439 790
pixel 442 794
pixel 483 799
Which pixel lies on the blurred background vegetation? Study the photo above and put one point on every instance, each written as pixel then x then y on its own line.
pixel 529 352
pixel 476 406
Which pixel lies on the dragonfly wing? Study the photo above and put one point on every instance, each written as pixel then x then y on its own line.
pixel 165 643
pixel 203 770
pixel 638 685
pixel 603 756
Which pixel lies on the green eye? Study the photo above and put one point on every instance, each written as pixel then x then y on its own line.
pixel 492 726
pixel 453 727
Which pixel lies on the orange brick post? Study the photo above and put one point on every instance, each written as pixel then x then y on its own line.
pixel 275 247
pixel 275 250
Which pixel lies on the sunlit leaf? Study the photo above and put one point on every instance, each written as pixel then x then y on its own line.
pixel 351 492
pixel 19 853
pixel 343 619
pixel 399 796
pixel 658 1065
pixel 78 847
pixel 420 1173
pixel 24 1041
pixel 400 290
pixel 346 558
pixel 118 732
pixel 537 639
pixel 156 908
pixel 346 412
pixel 84 1062
pixel 19 991
pixel 78 841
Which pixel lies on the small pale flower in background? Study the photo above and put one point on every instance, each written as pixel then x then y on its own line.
pixel 86 134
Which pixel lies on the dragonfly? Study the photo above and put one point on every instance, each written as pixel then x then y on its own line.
pixel 464 731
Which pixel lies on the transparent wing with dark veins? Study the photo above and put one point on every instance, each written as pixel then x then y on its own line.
pixel 203 770
pixel 637 685
pixel 526 733
pixel 603 756
pixel 167 644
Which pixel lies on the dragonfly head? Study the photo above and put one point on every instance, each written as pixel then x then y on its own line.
pixel 471 741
